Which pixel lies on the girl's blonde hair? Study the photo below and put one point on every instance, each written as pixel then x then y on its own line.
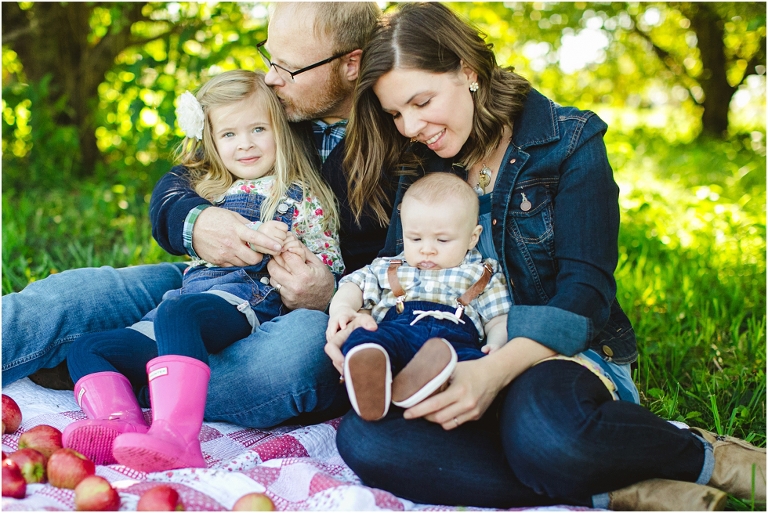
pixel 293 164
pixel 427 37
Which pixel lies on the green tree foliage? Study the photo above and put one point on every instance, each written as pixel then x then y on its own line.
pixel 67 48
pixel 101 78
pixel 686 57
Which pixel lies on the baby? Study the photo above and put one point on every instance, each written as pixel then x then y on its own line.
pixel 446 300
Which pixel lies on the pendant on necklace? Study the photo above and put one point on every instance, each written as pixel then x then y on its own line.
pixel 483 180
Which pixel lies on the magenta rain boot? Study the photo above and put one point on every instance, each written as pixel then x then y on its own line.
pixel 108 401
pixel 177 390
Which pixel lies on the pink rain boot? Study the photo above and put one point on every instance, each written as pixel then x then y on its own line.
pixel 177 389
pixel 109 403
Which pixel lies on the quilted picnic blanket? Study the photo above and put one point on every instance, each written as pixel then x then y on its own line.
pixel 298 467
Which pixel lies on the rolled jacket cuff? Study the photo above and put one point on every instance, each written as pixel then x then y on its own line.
pixel 560 330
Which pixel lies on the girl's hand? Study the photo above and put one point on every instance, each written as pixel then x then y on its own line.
pixel 340 324
pixel 275 229
pixel 293 245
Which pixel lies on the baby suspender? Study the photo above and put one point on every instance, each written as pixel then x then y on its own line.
pixel 461 303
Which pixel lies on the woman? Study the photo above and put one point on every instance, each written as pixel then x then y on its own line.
pixel 552 416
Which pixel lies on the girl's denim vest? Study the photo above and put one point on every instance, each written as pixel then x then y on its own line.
pixel 242 286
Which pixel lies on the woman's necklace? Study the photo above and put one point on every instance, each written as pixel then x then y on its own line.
pixel 485 173
pixel 483 179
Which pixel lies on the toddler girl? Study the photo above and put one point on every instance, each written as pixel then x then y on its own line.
pixel 241 155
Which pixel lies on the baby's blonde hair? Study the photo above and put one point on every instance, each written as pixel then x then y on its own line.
pixel 439 187
pixel 293 164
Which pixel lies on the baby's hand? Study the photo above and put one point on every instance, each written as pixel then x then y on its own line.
pixel 338 320
pixel 275 229
pixel 492 346
pixel 495 334
pixel 341 318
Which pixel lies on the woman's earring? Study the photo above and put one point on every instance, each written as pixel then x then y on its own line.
pixel 413 139
pixel 474 86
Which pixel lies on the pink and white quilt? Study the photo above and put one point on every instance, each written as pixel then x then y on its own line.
pixel 298 467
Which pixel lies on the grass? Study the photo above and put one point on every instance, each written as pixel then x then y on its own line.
pixel 691 273
pixel 692 278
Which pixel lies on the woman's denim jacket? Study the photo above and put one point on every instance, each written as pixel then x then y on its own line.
pixel 555 224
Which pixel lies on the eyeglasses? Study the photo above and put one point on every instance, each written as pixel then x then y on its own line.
pixel 287 75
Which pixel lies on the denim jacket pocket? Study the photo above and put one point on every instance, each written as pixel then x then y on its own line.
pixel 530 224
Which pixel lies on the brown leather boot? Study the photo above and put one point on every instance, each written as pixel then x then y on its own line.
pixel 667 495
pixel 739 466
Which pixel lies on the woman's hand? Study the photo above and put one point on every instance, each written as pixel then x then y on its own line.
pixel 476 383
pixel 471 391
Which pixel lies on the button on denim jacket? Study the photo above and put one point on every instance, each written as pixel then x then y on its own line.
pixel 555 224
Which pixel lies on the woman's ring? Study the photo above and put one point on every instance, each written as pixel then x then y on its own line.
pixel 277 287
pixel 456 421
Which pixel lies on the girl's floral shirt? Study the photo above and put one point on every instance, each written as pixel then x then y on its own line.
pixel 307 225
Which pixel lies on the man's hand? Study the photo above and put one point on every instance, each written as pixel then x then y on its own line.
pixel 221 237
pixel 304 280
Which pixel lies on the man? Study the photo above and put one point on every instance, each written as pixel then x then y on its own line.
pixel 313 52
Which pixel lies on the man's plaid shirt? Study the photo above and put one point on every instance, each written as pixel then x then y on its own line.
pixel 443 286
pixel 327 137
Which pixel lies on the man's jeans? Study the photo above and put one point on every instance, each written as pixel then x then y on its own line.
pixel 278 373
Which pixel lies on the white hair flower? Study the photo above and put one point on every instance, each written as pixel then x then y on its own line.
pixel 189 114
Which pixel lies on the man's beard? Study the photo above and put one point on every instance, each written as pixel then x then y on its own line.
pixel 321 104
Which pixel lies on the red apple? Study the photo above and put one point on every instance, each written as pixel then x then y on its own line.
pixel 254 502
pixel 11 415
pixel 94 493
pixel 43 438
pixel 13 482
pixel 160 498
pixel 31 463
pixel 67 467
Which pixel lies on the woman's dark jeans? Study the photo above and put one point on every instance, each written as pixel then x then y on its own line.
pixel 554 436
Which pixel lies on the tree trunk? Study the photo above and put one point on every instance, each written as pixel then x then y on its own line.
pixel 52 37
pixel 714 82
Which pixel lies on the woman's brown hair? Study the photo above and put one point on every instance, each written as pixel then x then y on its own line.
pixel 427 37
